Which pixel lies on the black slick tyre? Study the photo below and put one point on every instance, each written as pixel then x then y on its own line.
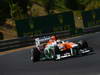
pixel 36 55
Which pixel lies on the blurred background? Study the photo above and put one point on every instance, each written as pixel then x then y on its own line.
pixel 19 18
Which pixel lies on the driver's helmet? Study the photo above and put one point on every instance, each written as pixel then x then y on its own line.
pixel 53 38
pixel 59 41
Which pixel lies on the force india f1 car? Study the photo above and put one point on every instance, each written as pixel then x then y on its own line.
pixel 58 49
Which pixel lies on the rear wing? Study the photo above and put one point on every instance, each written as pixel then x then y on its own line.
pixel 40 40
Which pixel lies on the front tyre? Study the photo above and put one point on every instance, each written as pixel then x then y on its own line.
pixel 82 44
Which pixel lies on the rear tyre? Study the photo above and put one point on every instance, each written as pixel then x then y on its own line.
pixel 36 55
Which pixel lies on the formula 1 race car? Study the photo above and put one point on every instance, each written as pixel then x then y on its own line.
pixel 58 49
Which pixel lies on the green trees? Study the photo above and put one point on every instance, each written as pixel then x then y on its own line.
pixel 77 4
pixel 13 8
pixel 4 10
pixel 19 8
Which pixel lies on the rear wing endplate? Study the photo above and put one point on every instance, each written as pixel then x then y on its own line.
pixel 40 40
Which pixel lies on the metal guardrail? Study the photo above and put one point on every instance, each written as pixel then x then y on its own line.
pixel 58 34
pixel 91 29
pixel 29 41
pixel 15 43
pixel 26 41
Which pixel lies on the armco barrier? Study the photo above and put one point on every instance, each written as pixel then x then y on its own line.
pixel 91 29
pixel 15 43
pixel 60 34
pixel 29 41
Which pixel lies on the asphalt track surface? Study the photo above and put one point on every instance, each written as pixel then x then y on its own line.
pixel 18 63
